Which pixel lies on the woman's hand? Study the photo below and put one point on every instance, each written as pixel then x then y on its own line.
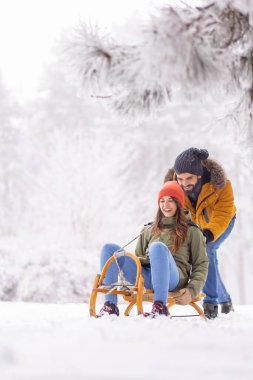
pixel 183 297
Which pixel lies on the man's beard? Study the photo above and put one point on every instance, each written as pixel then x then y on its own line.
pixel 193 188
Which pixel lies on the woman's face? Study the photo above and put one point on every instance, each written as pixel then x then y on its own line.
pixel 168 206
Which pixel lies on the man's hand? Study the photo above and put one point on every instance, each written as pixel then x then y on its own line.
pixel 208 235
pixel 183 297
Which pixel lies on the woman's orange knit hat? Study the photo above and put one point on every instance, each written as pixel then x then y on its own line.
pixel 172 189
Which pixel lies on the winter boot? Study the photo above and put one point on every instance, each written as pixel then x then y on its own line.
pixel 210 310
pixel 226 307
pixel 109 308
pixel 158 308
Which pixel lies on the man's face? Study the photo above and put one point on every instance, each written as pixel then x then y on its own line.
pixel 188 181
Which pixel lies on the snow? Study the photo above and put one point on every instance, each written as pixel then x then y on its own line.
pixel 51 342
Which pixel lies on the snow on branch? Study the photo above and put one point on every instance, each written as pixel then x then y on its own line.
pixel 191 49
pixel 195 52
pixel 107 68
pixel 92 55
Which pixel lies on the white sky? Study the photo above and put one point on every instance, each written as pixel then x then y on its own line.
pixel 28 29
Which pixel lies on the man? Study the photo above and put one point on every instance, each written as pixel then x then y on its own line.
pixel 209 197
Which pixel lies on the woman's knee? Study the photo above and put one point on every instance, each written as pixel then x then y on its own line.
pixel 108 249
pixel 158 248
pixel 107 252
pixel 111 247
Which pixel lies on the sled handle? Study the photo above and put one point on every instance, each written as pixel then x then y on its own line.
pixel 112 258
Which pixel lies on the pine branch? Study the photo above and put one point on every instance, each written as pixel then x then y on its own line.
pixel 92 55
pixel 195 49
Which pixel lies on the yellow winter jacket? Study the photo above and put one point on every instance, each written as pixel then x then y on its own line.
pixel 215 206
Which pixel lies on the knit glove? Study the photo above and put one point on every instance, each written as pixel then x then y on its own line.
pixel 183 297
pixel 208 235
pixel 144 262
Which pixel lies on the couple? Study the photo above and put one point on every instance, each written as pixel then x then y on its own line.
pixel 173 250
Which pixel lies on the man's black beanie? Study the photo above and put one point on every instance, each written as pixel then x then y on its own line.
pixel 190 161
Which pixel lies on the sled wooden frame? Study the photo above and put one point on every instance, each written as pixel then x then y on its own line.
pixel 137 294
pixel 148 296
pixel 136 290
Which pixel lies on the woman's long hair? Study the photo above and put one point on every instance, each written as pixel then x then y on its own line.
pixel 179 232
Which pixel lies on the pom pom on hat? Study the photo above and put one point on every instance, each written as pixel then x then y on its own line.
pixel 172 189
pixel 190 161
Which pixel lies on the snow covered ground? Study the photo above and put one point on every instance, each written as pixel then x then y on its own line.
pixel 60 341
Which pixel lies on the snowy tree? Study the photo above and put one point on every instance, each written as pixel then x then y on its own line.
pixel 65 135
pixel 10 208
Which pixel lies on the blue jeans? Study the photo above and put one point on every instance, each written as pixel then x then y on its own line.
pixel 162 275
pixel 214 287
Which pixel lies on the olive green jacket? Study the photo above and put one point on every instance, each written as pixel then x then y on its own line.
pixel 191 258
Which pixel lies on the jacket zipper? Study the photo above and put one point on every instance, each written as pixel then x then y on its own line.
pixel 203 200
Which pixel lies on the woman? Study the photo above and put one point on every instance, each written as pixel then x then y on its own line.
pixel 172 253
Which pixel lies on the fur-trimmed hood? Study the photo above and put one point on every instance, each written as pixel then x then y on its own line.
pixel 213 173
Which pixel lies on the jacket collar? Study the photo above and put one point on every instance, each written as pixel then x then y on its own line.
pixel 168 221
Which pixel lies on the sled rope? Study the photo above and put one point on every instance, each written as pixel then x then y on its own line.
pixel 185 316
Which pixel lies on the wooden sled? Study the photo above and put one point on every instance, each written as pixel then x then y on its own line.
pixel 135 294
